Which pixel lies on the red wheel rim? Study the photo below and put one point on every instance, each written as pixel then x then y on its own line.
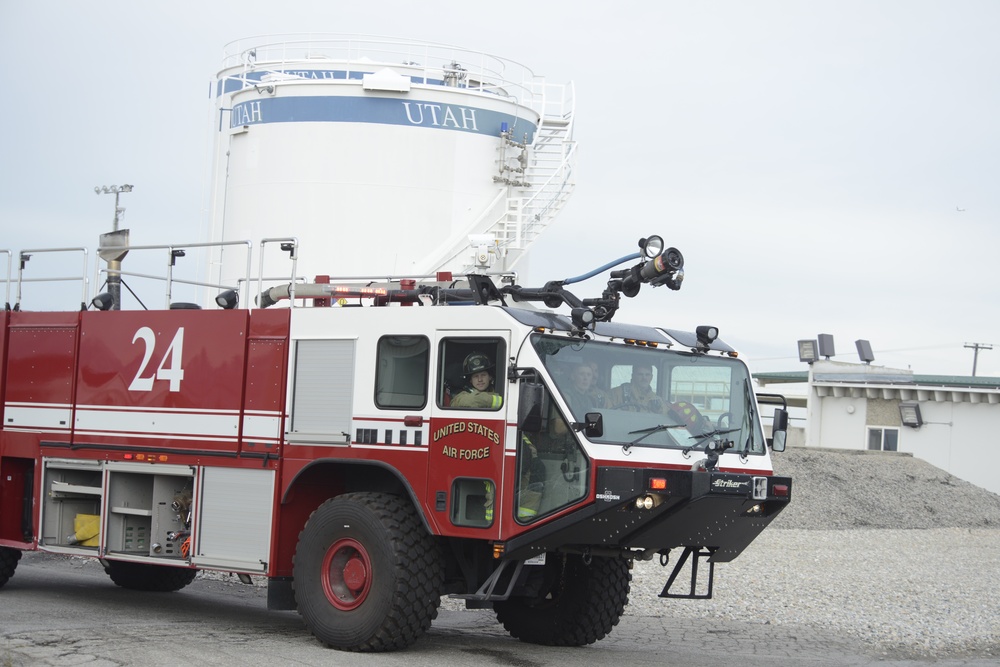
pixel 346 574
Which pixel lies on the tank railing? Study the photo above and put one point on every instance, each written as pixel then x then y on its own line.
pixel 458 76
pixel 440 76
pixel 557 100
pixel 290 245
pixel 25 255
pixel 533 213
pixel 10 260
pixel 356 48
pixel 478 71
pixel 549 195
pixel 173 253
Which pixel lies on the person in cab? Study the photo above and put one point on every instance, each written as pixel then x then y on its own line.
pixel 478 392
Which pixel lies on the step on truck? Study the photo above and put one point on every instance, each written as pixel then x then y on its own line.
pixel 371 446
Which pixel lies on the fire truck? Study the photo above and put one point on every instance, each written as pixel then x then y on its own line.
pixel 371 446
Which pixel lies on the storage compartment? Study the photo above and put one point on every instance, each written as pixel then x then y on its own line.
pixel 149 512
pixel 73 492
pixel 235 518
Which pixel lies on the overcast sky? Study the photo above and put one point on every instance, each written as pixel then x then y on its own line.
pixel 824 166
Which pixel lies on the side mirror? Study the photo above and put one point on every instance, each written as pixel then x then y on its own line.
pixel 529 407
pixel 593 427
pixel 779 430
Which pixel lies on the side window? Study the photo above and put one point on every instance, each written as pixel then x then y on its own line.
pixel 885 439
pixel 401 372
pixel 472 373
pixel 552 469
pixel 472 502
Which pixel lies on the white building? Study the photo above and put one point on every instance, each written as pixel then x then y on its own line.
pixel 951 422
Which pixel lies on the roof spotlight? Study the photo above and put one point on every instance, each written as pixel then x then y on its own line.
pixel 102 301
pixel 651 246
pixel 228 299
pixel 583 318
pixel 706 335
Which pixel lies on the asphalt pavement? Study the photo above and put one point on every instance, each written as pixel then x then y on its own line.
pixel 66 611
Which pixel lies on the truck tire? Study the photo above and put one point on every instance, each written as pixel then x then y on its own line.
pixel 145 577
pixel 367 575
pixel 579 603
pixel 8 563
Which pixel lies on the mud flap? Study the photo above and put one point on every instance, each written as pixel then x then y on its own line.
pixel 695 592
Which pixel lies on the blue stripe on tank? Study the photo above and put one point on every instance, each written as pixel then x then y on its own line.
pixel 379 110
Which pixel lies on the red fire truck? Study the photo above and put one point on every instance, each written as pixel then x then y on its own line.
pixel 370 447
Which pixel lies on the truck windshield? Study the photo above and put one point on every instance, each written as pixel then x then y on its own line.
pixel 654 397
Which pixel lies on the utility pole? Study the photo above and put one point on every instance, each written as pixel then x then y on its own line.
pixel 975 347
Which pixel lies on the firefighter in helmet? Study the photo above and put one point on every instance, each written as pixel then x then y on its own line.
pixel 478 391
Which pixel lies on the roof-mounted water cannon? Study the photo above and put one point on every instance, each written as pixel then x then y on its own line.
pixel 660 266
pixel 663 266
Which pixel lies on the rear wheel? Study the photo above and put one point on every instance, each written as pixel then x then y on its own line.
pixel 367 575
pixel 8 563
pixel 579 602
pixel 145 577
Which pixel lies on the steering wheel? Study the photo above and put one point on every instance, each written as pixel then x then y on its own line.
pixel 723 421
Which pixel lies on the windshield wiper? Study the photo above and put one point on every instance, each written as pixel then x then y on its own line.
pixel 646 432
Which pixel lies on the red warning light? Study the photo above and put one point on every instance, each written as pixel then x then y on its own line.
pixel 658 484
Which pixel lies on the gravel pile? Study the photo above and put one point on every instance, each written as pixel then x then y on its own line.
pixel 880 547
pixel 837 489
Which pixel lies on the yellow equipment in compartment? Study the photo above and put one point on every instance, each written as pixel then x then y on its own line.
pixel 88 530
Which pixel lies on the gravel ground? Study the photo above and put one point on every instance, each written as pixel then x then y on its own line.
pixel 880 547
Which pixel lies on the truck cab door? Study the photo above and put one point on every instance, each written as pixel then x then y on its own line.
pixel 468 431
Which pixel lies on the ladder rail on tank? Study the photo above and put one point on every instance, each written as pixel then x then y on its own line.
pixel 548 177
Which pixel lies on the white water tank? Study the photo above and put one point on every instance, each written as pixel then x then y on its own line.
pixel 383 157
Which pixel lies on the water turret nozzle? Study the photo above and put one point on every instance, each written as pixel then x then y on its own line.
pixel 665 266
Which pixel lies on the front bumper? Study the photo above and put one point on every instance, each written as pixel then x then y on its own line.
pixel 721 512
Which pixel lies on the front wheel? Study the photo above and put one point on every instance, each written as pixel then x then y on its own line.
pixel 579 602
pixel 367 575
pixel 8 563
